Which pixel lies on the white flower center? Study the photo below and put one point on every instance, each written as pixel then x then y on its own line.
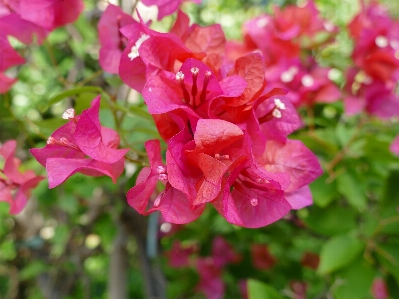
pixel 381 41
pixel 134 52
pixel 307 80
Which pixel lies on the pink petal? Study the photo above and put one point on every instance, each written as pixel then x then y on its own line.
pixel 110 38
pixel 59 169
pixel 21 197
pixel 299 198
pixel 6 83
pixel 176 207
pixel 21 29
pixel 213 171
pixel 181 24
pixel 9 57
pixel 213 135
pixel 294 158
pixel 51 14
pixel 395 146
pixel 237 208
pixel 89 138
pixel 208 39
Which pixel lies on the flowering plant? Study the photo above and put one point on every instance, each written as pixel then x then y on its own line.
pixel 260 164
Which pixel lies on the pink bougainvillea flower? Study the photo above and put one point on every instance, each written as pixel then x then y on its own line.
pixel 375 97
pixel 111 39
pixel 166 7
pixel 210 268
pixel 50 14
pixel 262 258
pixel 395 146
pixel 306 21
pixel 379 289
pixel 292 157
pixel 28 20
pixel 81 145
pixel 223 253
pixel 172 203
pixel 179 255
pixel 211 283
pixel 15 186
pixel 149 52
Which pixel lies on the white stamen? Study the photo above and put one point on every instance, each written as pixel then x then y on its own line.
pixel 158 199
pixel 279 104
pixel 307 80
pixel 162 174
pixel 194 71
pixel 289 74
pixel 261 23
pixel 254 202
pixel 381 41
pixel 134 52
pixel 69 114
pixel 51 140
pixel 161 169
pixel 180 76
pixel 276 113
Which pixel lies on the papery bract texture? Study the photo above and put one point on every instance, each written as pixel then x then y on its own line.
pixel 82 145
pixel 15 186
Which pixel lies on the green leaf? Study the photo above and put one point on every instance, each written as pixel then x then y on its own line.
pixel 83 102
pixel 323 192
pixel 355 280
pixel 388 256
pixel 328 221
pixel 260 290
pixel 74 91
pixel 352 189
pixel 338 252
pixel 7 250
pixel 32 270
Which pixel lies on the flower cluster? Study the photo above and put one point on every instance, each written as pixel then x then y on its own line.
pixel 225 128
pixel 81 145
pixel 210 268
pixel 15 186
pixel 285 39
pixel 24 20
pixel 372 82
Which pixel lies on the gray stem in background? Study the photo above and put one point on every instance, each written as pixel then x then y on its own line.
pixel 118 272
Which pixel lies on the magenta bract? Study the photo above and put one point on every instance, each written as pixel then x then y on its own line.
pixel 81 145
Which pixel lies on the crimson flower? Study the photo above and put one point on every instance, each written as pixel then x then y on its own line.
pixel 81 145
pixel 15 186
pixel 262 258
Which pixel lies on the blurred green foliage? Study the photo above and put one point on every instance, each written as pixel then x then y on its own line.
pixel 64 239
